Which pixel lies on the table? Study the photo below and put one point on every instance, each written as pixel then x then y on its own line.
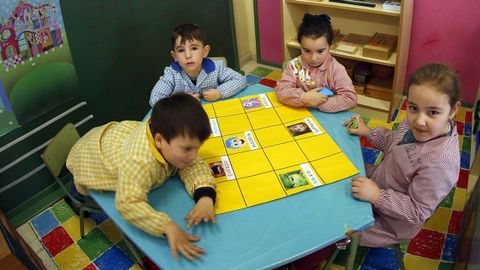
pixel 264 236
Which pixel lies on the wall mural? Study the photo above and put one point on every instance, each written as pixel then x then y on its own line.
pixel 37 72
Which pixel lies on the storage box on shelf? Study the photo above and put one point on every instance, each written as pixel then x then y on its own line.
pixel 363 21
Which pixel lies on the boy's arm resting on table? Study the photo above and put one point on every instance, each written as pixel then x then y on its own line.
pixel 164 86
pixel 426 191
pixel 198 180
pixel 345 97
pixel 287 91
pixel 131 200
pixel 230 82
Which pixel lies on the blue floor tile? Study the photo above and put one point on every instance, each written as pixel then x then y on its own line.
pixel 113 259
pixel 380 259
pixel 370 155
pixel 252 79
pixel 467 130
pixel 465 160
pixel 44 223
pixel 448 253
pixel 98 218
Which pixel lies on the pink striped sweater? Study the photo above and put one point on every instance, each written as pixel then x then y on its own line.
pixel 414 178
pixel 330 74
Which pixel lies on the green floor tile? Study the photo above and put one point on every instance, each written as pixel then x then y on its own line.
pixel 262 71
pixel 445 266
pixel 379 158
pixel 62 211
pixel 123 247
pixel 448 201
pixel 403 246
pixel 94 244
pixel 467 144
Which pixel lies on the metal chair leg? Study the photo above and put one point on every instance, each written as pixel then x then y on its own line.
pixel 331 259
pixel 82 223
pixel 352 254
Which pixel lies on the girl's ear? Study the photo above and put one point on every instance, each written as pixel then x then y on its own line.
pixel 174 56
pixel 206 50
pixel 454 110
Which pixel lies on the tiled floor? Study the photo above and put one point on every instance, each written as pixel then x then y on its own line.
pixel 55 236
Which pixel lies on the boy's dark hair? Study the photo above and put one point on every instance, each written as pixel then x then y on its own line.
pixel 315 26
pixel 190 32
pixel 440 76
pixel 180 114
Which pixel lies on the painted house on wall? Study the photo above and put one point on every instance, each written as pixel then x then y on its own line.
pixel 29 31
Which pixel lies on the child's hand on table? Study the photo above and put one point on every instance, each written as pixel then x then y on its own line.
pixel 203 210
pixel 365 189
pixel 212 95
pixel 181 241
pixel 312 98
pixel 194 94
pixel 356 126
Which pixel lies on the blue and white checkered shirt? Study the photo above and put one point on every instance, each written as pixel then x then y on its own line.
pixel 214 74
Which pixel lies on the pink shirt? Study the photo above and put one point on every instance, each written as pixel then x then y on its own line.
pixel 414 178
pixel 331 74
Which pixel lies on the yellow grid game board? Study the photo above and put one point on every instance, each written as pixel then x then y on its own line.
pixel 260 151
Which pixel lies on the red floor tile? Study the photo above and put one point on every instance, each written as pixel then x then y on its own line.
pixel 57 240
pixel 404 105
pixel 459 127
pixel 427 244
pixel 454 225
pixel 268 82
pixel 468 117
pixel 463 179
pixel 91 266
pixel 365 143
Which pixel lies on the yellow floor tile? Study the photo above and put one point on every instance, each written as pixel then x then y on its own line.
pixel 72 226
pixel 459 199
pixel 439 220
pixel 460 116
pixel 72 258
pixel 274 75
pixel 135 267
pixel 416 262
pixel 111 231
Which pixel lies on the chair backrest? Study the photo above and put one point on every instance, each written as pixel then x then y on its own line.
pixel 56 153
pixel 220 58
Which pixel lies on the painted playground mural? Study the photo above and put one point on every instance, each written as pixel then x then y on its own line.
pixel 37 72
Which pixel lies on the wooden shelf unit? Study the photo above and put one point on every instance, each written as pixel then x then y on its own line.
pixel 359 20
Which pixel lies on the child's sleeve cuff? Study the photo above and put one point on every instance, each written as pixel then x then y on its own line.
pixel 204 191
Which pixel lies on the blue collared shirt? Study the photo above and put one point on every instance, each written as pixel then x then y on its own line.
pixel 214 74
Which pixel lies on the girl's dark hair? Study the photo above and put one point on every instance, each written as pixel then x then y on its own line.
pixel 442 77
pixel 180 114
pixel 315 26
pixel 190 32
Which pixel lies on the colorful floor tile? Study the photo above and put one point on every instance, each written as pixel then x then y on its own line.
pixel 58 229
pixel 433 248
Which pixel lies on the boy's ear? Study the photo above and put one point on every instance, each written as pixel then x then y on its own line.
pixel 206 50
pixel 455 109
pixel 158 139
pixel 174 56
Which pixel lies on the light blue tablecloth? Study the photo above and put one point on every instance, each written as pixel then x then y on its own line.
pixel 264 236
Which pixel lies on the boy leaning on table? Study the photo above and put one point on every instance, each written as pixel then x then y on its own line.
pixel 132 158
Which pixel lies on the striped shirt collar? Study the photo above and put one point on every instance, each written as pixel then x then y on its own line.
pixel 152 145
pixel 207 64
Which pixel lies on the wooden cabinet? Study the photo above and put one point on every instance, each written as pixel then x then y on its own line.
pixel 359 20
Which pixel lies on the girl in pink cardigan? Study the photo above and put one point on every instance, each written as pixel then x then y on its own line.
pixel 421 162
pixel 316 69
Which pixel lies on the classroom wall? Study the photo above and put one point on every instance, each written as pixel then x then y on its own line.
pixel 245 29
pixel 448 31
pixel 119 49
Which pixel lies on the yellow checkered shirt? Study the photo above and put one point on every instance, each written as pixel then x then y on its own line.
pixel 122 157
